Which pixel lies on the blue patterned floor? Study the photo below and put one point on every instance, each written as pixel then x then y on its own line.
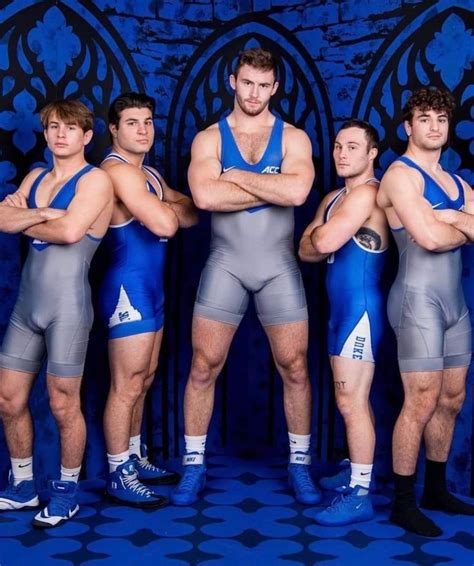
pixel 246 517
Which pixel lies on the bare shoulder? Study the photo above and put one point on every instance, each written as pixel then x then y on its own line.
pixel 96 178
pixel 292 133
pixel 28 181
pixel 207 142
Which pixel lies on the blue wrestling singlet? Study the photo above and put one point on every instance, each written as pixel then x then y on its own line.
pixel 53 313
pixel 131 298
pixel 252 250
pixel 426 306
pixel 357 321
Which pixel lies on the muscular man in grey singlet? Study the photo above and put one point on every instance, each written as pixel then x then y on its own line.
pixel 431 215
pixel 53 312
pixel 250 170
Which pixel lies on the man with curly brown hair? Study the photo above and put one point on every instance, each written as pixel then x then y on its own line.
pixel 430 214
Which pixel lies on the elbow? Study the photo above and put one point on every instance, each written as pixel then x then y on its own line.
pixel 72 235
pixel 323 246
pixel 169 229
pixel 202 202
pixel 299 196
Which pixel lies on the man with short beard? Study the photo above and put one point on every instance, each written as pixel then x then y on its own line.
pixel 430 214
pixel 250 170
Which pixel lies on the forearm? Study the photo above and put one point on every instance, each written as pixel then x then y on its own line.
pixel 282 189
pixel 464 222
pixel 186 213
pixel 52 231
pixel 446 238
pixel 224 196
pixel 13 219
pixel 308 253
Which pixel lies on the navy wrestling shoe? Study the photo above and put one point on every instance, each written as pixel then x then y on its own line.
pixel 124 487
pixel 192 482
pixel 61 507
pixel 149 473
pixel 21 496
pixel 300 480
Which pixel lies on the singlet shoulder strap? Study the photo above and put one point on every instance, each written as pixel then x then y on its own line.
pixel 332 202
pixel 34 188
pixel 115 156
pixel 157 179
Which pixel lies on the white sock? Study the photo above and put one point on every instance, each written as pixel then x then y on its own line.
pixel 361 475
pixel 134 446
pixel 22 469
pixel 299 442
pixel 115 460
pixel 195 444
pixel 70 474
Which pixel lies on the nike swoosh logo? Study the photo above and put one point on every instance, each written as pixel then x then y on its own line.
pixel 365 473
pixel 359 506
pixel 23 465
pixel 436 205
pixel 228 168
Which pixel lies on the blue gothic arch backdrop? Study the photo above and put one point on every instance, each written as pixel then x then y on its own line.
pixel 338 59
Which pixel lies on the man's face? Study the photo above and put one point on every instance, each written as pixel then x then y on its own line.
pixel 135 132
pixel 253 89
pixel 65 138
pixel 351 154
pixel 428 129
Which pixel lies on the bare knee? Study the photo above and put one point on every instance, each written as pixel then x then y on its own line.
pixel 451 404
pixel 350 407
pixel 421 406
pixel 130 387
pixel 65 407
pixel 293 370
pixel 204 370
pixel 12 406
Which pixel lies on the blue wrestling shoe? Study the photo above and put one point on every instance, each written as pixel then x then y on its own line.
pixel 123 487
pixel 149 473
pixel 21 496
pixel 341 480
pixel 61 507
pixel 347 508
pixel 300 480
pixel 192 481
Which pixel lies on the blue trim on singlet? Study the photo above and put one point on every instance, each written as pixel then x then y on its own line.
pixel 271 158
pixel 150 187
pixel 433 192
pixel 62 199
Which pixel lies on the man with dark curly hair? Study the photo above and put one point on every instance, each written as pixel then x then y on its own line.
pixel 430 212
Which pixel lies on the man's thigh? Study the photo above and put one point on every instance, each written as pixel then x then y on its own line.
pixel 288 342
pixel 132 355
pixel 352 377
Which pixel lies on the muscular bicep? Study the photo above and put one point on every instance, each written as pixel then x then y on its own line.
pixel 205 164
pixel 298 160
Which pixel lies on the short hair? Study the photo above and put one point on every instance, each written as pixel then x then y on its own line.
pixel 258 58
pixel 371 134
pixel 129 100
pixel 429 98
pixel 70 111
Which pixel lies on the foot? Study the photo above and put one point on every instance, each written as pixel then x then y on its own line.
pixel 192 481
pixel 341 480
pixel 149 473
pixel 300 480
pixel 413 520
pixel 354 506
pixel 61 507
pixel 21 496
pixel 444 501
pixel 124 487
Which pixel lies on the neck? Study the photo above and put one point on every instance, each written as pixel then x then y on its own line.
pixel 428 159
pixel 351 182
pixel 65 167
pixel 133 158
pixel 238 118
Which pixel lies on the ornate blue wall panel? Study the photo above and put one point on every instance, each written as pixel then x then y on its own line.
pixel 339 58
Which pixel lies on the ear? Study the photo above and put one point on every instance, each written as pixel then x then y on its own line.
pixel 232 81
pixel 407 126
pixel 113 130
pixel 373 153
pixel 88 136
pixel 276 84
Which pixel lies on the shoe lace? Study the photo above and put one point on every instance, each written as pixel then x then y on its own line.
pixel 303 477
pixel 132 483
pixel 189 479
pixel 147 465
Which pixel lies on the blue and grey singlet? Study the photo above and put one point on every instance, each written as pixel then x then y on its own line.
pixel 252 250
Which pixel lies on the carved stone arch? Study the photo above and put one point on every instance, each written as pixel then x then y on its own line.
pixel 50 51
pixel 434 48
pixel 204 96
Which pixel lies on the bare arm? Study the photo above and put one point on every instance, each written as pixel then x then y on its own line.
pixel 209 188
pixel 399 189
pixel 130 188
pixel 93 195
pixel 461 220
pixel 180 204
pixel 14 219
pixel 307 251
pixel 291 187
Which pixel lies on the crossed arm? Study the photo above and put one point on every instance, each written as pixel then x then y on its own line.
pixel 402 190
pixel 323 238
pixel 461 220
pixel 93 196
pixel 237 189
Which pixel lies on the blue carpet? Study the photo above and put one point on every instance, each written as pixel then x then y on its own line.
pixel 246 516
